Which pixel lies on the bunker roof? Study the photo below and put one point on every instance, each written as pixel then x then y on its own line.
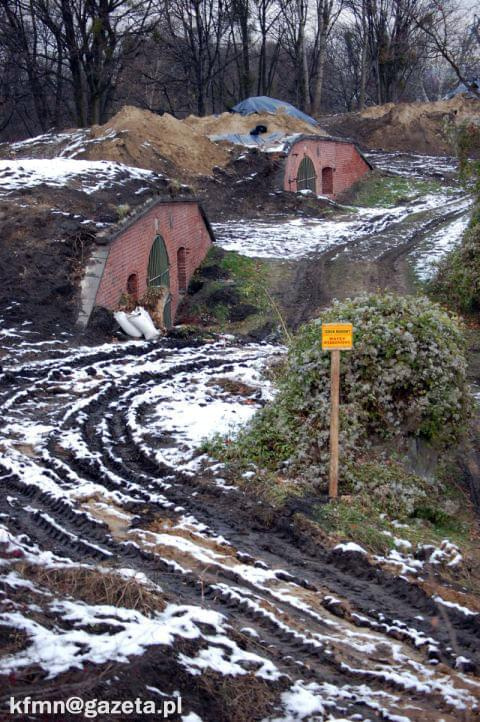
pixel 292 140
pixel 108 235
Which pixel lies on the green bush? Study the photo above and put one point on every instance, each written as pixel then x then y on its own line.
pixel 405 376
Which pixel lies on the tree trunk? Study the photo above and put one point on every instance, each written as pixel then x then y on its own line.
pixel 320 69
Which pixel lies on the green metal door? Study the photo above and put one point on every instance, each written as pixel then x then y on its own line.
pixel 306 177
pixel 167 312
pixel 158 274
pixel 158 265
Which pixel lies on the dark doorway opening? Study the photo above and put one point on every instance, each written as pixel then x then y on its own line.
pixel 327 180
pixel 132 286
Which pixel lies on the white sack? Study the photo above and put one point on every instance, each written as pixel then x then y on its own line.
pixel 122 319
pixel 140 318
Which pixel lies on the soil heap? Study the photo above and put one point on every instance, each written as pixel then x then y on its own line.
pixel 236 123
pixel 140 138
pixel 417 127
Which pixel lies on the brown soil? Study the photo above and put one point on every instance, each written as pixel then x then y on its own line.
pixel 249 187
pixel 178 148
pixel 236 123
pixel 418 127
pixel 145 139
pixel 44 240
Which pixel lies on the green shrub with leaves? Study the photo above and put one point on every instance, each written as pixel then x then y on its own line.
pixel 404 376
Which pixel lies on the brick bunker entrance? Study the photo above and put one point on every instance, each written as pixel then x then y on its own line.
pixel 326 166
pixel 161 245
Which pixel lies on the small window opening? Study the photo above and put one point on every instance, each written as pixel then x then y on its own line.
pixel 132 286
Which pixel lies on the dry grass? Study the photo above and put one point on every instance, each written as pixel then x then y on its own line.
pixel 239 699
pixel 94 587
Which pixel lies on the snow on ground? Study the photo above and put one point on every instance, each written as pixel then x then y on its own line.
pixel 412 165
pixel 159 394
pixel 437 244
pixel 302 237
pixel 91 175
pixel 131 632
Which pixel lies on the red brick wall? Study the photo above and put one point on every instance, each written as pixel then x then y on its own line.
pixel 344 158
pixel 179 224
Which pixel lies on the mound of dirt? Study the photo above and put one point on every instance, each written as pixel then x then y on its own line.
pixel 245 188
pixel 45 236
pixel 236 123
pixel 180 149
pixel 146 140
pixel 418 127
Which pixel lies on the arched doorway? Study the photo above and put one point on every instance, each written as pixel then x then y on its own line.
pixel 327 180
pixel 182 269
pixel 158 274
pixel 306 176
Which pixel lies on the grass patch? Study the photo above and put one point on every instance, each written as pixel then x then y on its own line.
pixel 235 293
pixel 229 292
pixel 384 496
pixel 93 586
pixel 378 190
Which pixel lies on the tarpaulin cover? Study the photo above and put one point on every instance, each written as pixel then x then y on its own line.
pixel 248 138
pixel 264 104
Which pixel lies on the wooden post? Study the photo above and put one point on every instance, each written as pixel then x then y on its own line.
pixel 336 337
pixel 334 422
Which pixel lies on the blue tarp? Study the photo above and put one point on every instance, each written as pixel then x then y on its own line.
pixel 248 139
pixel 264 104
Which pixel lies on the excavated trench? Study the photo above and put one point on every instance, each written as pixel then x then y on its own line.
pixel 97 468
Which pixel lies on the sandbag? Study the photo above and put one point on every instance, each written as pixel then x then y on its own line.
pixel 123 321
pixel 142 321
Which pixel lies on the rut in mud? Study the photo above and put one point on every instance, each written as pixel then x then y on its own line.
pixel 91 483
pixel 99 468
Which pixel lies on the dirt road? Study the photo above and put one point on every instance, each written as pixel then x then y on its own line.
pixel 99 469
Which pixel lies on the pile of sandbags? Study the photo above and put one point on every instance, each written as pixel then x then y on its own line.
pixel 137 324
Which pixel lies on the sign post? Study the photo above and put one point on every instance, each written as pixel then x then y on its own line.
pixel 336 337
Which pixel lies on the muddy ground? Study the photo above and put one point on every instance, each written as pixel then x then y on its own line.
pixel 98 469
pixel 364 641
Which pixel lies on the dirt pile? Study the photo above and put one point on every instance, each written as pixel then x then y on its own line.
pixel 419 127
pixel 146 140
pixel 236 123
pixel 248 187
pixel 180 149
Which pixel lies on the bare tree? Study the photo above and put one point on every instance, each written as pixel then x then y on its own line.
pixel 271 34
pixel 240 13
pixel 455 35
pixel 192 35
pixel 95 37
pixel 294 40
pixel 327 13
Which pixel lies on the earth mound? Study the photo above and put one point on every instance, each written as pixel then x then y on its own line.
pixel 236 123
pixel 417 127
pixel 140 138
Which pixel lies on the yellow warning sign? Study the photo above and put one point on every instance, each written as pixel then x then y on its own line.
pixel 337 336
